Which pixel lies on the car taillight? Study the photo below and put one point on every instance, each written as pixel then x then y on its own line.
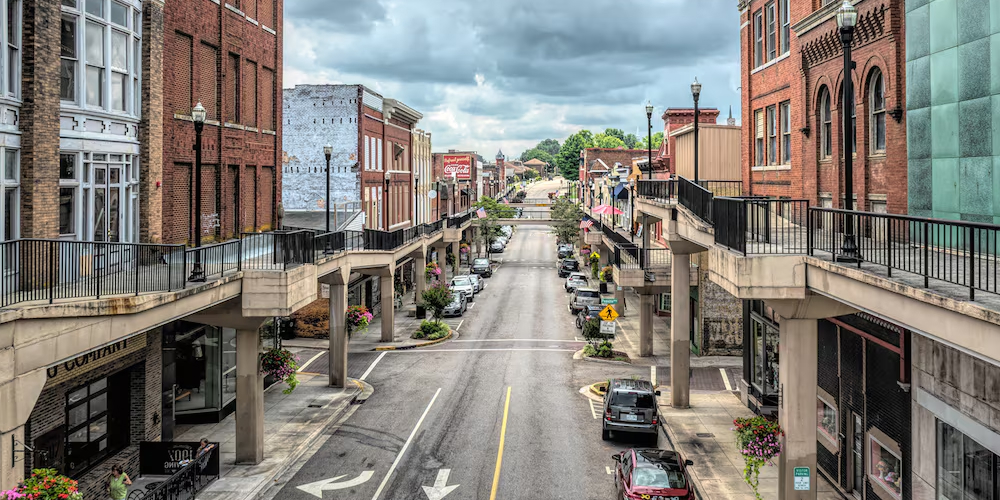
pixel 654 420
pixel 607 414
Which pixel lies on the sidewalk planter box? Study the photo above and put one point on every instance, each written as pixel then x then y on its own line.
pixel 421 312
pixel 604 288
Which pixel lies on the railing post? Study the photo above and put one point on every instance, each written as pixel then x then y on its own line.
pixel 52 270
pixel 888 246
pixel 138 250
pixel 972 263
pixel 809 231
pixel 926 255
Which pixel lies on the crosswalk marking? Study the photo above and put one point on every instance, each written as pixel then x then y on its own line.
pixel 593 409
pixel 725 379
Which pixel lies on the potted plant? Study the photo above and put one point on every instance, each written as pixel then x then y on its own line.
pixel 358 318
pixel 759 441
pixel 432 271
pixel 595 263
pixel 607 274
pixel 44 484
pixel 282 365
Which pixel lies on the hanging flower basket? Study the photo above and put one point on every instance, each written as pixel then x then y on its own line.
pixel 432 271
pixel 759 441
pixel 358 318
pixel 44 484
pixel 594 257
pixel 463 248
pixel 607 274
pixel 282 365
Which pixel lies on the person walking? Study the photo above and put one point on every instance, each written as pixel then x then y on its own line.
pixel 118 483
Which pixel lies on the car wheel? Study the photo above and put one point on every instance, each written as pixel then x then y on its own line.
pixel 605 434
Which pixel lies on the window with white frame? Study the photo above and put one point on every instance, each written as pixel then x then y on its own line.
pixel 826 123
pixel 101 47
pixel 12 56
pixel 11 182
pixel 759 136
pixel 772 31
pixel 877 119
pixel 826 420
pixel 886 466
pixel 772 136
pixel 786 132
pixel 758 36
pixel 786 26
pixel 99 196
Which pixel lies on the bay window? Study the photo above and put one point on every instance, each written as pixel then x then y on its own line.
pixel 108 35
pixel 98 196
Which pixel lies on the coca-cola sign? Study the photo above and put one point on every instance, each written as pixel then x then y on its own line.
pixel 459 166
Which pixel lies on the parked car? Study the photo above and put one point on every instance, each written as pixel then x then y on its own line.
pixel 630 406
pixel 464 284
pixel 457 306
pixel 508 230
pixel 503 240
pixel 586 314
pixel 482 267
pixel 565 250
pixel 496 247
pixel 478 281
pixel 652 473
pixel 568 266
pixel 583 297
pixel 574 281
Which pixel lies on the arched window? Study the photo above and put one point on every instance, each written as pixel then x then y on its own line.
pixel 877 104
pixel 826 123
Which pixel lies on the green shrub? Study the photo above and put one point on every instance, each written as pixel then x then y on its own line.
pixel 604 350
pixel 431 330
pixel 588 350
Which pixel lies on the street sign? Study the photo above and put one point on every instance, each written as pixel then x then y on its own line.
pixel 801 475
pixel 608 328
pixel 440 488
pixel 609 313
pixel 317 488
pixel 603 301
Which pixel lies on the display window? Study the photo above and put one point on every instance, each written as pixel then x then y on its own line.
pixel 885 467
pixel 826 421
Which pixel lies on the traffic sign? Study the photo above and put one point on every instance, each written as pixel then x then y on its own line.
pixel 603 301
pixel 609 313
pixel 608 328
pixel 801 475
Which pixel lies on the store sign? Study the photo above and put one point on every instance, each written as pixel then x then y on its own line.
pixel 81 364
pixel 166 458
pixel 459 166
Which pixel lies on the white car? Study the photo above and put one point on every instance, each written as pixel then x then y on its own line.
pixel 574 281
pixel 465 285
pixel 478 281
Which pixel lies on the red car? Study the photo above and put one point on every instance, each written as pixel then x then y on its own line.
pixel 651 474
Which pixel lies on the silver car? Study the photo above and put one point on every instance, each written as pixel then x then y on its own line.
pixel 478 281
pixel 464 284
pixel 574 281
pixel 583 297
pixel 457 306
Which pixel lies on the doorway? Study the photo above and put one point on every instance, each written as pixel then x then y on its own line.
pixel 857 432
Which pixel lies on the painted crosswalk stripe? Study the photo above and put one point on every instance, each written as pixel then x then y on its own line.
pixel 725 379
pixel 593 409
pixel 304 365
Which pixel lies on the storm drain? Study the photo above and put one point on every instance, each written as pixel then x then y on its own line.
pixel 705 435
pixel 315 406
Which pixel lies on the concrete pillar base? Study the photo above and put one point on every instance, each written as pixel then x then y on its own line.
pixel 680 330
pixel 646 302
pixel 338 335
pixel 458 259
pixel 388 307
pixel 620 296
pixel 249 398
pixel 797 412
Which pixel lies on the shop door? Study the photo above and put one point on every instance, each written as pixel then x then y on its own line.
pixel 857 456
pixel 107 215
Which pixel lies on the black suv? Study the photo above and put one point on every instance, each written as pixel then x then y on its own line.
pixel 482 267
pixel 630 406
pixel 568 266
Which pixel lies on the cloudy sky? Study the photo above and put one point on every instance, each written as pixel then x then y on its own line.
pixel 490 74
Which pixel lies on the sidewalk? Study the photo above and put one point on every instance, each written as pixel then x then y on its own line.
pixel 291 423
pixel 703 434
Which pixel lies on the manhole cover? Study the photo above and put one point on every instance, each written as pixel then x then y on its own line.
pixel 705 435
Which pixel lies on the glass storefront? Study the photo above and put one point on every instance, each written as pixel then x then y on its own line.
pixel 199 367
pixel 967 470
pixel 762 351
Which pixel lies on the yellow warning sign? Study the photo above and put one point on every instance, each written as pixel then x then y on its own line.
pixel 609 313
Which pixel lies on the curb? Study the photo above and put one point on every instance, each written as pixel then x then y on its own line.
pixel 595 360
pixel 422 344
pixel 364 391
pixel 695 480
pixel 595 391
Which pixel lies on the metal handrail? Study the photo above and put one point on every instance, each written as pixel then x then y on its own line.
pixel 695 198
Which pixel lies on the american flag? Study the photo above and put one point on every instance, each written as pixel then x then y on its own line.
pixel 586 223
pixel 481 213
pixel 504 200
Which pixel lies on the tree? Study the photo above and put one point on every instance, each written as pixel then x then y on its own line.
pixel 550 146
pixel 539 154
pixel 436 298
pixel 631 141
pixel 566 217
pixel 615 132
pixel 606 141
pixel 488 228
pixel 568 159
pixel 530 173
pixel 657 140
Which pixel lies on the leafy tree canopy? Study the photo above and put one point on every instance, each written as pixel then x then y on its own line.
pixel 631 141
pixel 494 208
pixel 530 173
pixel 657 140
pixel 568 159
pixel 436 298
pixel 540 154
pixel 606 141
pixel 615 132
pixel 550 146
pixel 566 217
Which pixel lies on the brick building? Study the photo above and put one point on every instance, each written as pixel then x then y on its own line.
pixel 227 57
pixel 792 76
pixel 674 119
pixel 456 194
pixel 372 161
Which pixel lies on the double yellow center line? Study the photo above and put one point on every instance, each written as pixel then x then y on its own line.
pixel 503 435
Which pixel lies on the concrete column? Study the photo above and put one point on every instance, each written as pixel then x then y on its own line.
pixel 419 280
pixel 680 331
pixel 646 229
pixel 338 335
pixel 249 398
pixel 443 263
pixel 620 295
pixel 797 411
pixel 646 302
pixel 11 472
pixel 388 307
pixel 458 260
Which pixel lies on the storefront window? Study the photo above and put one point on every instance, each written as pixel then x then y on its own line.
pixel 93 430
pixel 665 302
pixel 886 467
pixel 770 360
pixel 228 365
pixel 198 358
pixel 826 419
pixel 966 469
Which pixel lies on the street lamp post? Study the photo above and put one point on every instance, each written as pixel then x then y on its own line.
pixel 649 138
pixel 328 152
pixel 388 177
pixel 847 17
pixel 614 180
pixel 631 205
pixel 696 92
pixel 198 115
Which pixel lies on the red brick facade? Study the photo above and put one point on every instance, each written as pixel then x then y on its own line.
pixel 228 57
pixel 462 201
pixel 395 137
pixel 803 78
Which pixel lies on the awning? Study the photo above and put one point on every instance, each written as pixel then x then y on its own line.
pixel 468 191
pixel 620 192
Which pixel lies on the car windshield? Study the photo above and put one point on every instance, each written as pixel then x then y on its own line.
pixel 633 400
pixel 481 262
pixel 456 300
pixel 461 282
pixel 590 294
pixel 659 475
pixel 593 311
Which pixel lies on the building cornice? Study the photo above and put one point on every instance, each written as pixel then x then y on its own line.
pixel 820 16
pixel 401 111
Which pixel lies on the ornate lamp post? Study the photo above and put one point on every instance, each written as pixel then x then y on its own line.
pixel 388 177
pixel 696 92
pixel 198 115
pixel 847 17
pixel 649 137
pixel 328 152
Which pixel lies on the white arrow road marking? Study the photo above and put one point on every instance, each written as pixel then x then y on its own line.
pixel 440 488
pixel 317 488
pixel 406 445
pixel 608 469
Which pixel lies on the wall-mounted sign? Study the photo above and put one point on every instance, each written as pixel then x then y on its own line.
pixel 168 457
pixel 81 364
pixel 432 194
pixel 458 165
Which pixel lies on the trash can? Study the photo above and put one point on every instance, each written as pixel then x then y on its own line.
pixel 421 312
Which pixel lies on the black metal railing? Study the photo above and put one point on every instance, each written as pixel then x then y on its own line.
pixel 655 257
pixel 695 198
pixel 616 237
pixel 185 483
pixel 664 191
pixel 723 188
pixel 458 220
pixel 277 250
pixel 957 252
pixel 216 260
pixel 762 226
pixel 626 257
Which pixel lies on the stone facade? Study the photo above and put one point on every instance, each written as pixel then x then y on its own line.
pixel 230 61
pixel 720 316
